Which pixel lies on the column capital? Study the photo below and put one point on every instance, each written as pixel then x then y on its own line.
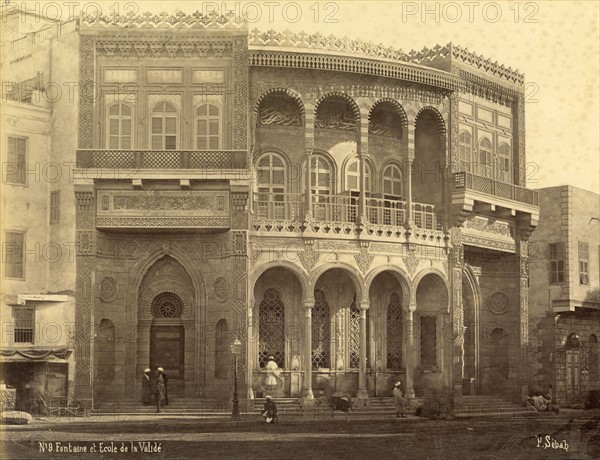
pixel 309 304
pixel 364 305
pixel 412 307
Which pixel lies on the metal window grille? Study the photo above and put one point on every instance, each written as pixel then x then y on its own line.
pixel 271 328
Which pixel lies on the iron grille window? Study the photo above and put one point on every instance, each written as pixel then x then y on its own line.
pixel 354 337
pixel 12 255
pixel 271 328
pixel 583 263
pixel 321 324
pixel 24 325
pixel 556 261
pixel 394 333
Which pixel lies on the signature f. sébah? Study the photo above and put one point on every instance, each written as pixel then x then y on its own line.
pixel 547 442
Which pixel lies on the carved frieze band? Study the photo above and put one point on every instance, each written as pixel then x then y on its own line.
pixel 163 222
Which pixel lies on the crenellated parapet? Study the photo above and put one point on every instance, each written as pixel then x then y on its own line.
pixel 178 22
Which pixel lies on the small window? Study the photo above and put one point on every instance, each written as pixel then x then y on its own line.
pixel 24 325
pixel 16 161
pixel 12 255
pixel 392 181
pixel 583 263
pixel 55 207
pixel 556 260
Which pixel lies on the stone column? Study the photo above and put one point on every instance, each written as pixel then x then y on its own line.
pixel 307 386
pixel 308 191
pixel 408 167
pixel 362 357
pixel 410 349
pixel 523 248
pixel 251 348
pixel 458 323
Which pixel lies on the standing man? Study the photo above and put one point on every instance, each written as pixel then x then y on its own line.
pixel 162 377
pixel 399 400
pixel 272 374
pixel 147 387
pixel 159 394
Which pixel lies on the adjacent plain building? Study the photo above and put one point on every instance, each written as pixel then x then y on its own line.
pixel 564 302
pixel 356 212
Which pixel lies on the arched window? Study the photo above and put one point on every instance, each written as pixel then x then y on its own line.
pixel 353 176
pixel 394 333
pixel 485 157
pixel 164 126
pixel 593 362
pixel 222 352
pixel 119 126
pixel 465 148
pixel 503 168
pixel 208 127
pixel 392 182
pixel 271 187
pixel 322 187
pixel 271 328
pixel 321 323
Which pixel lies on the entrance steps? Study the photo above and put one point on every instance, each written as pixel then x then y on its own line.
pixel 291 408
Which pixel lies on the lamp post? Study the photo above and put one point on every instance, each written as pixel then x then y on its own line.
pixel 236 349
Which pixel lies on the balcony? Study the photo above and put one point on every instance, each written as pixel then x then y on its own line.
pixel 338 214
pixel 147 163
pixel 477 194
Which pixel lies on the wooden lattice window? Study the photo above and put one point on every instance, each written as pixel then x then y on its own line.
pixel 394 333
pixel 13 255
pixel 271 328
pixel 321 324
pixel 16 161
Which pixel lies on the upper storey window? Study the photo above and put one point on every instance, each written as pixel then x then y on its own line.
pixel 353 176
pixel 503 172
pixel 164 126
pixel 392 181
pixel 485 157
pixel 208 127
pixel 321 175
pixel 16 161
pixel 465 150
pixel 119 126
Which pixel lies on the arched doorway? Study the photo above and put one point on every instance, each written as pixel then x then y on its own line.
pixel 167 340
pixel 471 325
pixel 167 332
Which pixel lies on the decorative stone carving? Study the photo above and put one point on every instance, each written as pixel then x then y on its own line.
pixel 108 289
pixel 363 259
pixel 411 262
pixel 221 289
pixel 498 303
pixel 167 305
pixel 309 257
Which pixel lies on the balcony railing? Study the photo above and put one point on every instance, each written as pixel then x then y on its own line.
pixel 162 159
pixel 280 206
pixel 468 181
pixel 386 212
pixel 343 209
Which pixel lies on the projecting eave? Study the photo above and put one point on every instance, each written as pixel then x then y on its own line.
pixel 317 59
pixel 566 305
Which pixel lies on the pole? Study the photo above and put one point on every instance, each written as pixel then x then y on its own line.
pixel 235 410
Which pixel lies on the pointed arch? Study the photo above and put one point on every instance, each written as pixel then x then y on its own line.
pixel 428 109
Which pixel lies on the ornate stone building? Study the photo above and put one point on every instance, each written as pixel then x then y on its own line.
pixel 356 212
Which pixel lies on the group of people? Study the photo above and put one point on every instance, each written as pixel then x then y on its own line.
pixel 155 388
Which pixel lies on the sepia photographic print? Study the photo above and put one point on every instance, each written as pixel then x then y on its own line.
pixel 300 230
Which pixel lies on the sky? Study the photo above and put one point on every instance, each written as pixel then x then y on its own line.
pixel 555 44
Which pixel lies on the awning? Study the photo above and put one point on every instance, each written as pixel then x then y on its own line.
pixel 37 354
